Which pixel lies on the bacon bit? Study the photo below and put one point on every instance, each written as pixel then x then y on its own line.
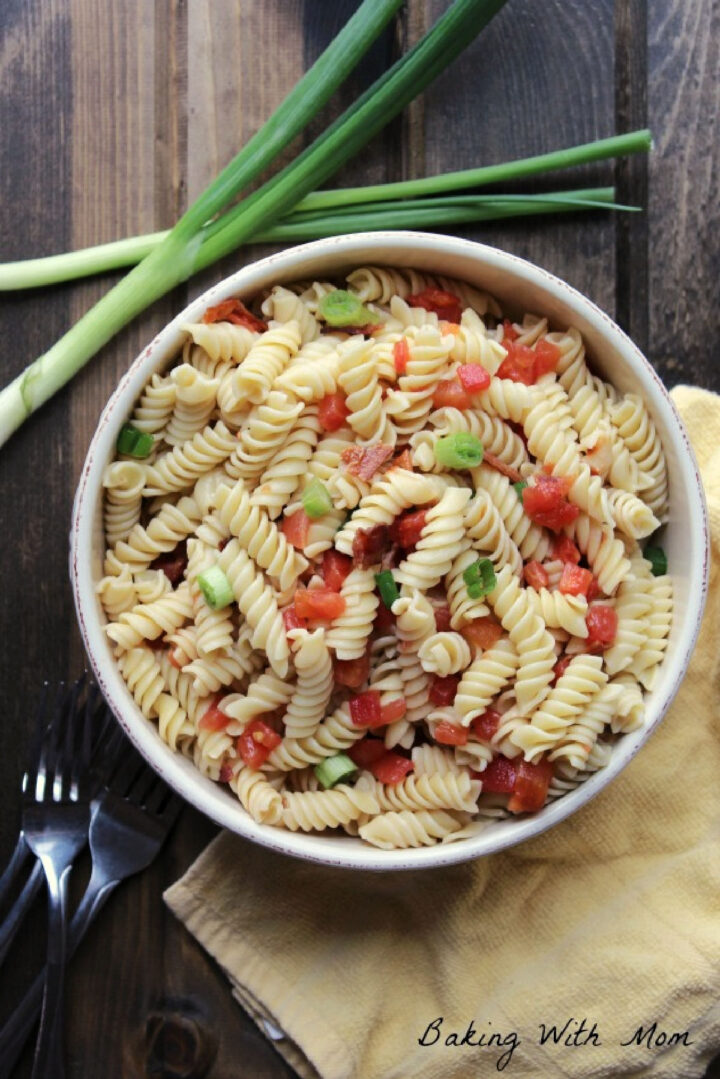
pixel 391 558
pixel 223 543
pixel 236 312
pixel 369 545
pixel 507 470
pixel 365 462
pixel 173 563
pixel 226 773
pixel 404 460
pixel 442 617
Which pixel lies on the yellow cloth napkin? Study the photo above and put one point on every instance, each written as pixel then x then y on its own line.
pixel 611 919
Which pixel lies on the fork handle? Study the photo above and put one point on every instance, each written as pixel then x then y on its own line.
pixel 49 1062
pixel 18 1028
pixel 19 909
pixel 12 871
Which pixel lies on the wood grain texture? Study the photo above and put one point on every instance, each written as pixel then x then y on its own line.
pixel 111 119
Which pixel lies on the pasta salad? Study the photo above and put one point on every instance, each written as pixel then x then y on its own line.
pixel 378 560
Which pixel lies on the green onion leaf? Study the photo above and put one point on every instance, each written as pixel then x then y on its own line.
pixel 658 559
pixel 316 499
pixel 479 578
pixel 519 488
pixel 215 587
pixel 461 450
pixel 387 587
pixel 341 308
pixel 133 442
pixel 333 769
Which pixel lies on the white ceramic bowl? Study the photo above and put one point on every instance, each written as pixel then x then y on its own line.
pixel 520 286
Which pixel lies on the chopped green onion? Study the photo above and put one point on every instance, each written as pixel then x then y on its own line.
pixel 341 308
pixel 387 587
pixel 519 488
pixel 333 769
pixel 215 587
pixel 658 559
pixel 479 578
pixel 461 450
pixel 133 442
pixel 316 499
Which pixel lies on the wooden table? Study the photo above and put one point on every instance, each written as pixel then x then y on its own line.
pixel 112 118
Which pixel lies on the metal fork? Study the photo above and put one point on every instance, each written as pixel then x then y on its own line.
pixel 55 822
pixel 15 872
pixel 130 820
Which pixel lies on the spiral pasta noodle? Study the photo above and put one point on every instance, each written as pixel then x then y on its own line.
pixel 325 605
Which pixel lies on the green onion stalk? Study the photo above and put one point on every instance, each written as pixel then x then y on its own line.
pixel 362 204
pixel 194 244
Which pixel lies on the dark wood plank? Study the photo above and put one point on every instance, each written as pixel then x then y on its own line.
pixel 684 76
pixel 35 113
pixel 631 173
pixel 539 77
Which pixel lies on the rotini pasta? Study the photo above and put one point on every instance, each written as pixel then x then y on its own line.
pixel 323 601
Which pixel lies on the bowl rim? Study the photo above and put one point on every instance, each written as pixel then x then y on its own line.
pixel 192 785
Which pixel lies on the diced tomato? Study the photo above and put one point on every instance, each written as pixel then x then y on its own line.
pixel 213 719
pixel 560 667
pixel 393 711
pixel 486 725
pixel 482 632
pixel 442 617
pixel 403 460
pixel 401 355
pixel 292 621
pixel 531 787
pixel 365 752
pixel 449 394
pixel 173 563
pixel 594 590
pixel 335 568
pixel 446 305
pixel 536 575
pixel 369 545
pixel 473 377
pixel 407 528
pixel 296 528
pixel 509 331
pixel 332 411
pixel 565 550
pixel 524 364
pixel 319 603
pixel 546 357
pixel 443 690
pixel 256 743
pixel 450 734
pixel 235 311
pixel 365 710
pixel 519 364
pixel 602 624
pixel 352 672
pixel 364 461
pixel 392 768
pixel 384 619
pixel 499 776
pixel 575 580
pixel 506 470
pixel 545 503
